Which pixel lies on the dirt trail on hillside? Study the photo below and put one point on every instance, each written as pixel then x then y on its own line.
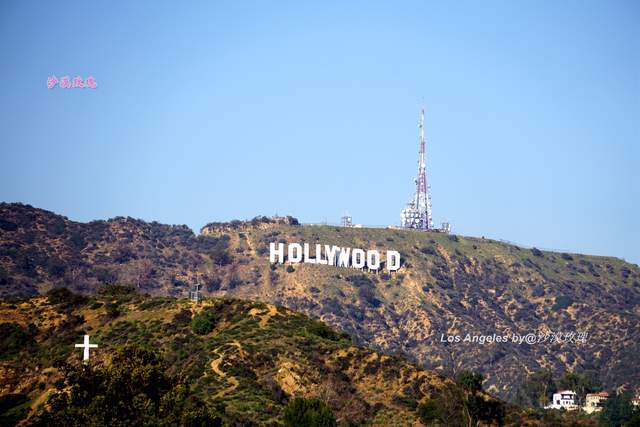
pixel 240 349
pixel 264 319
pixel 215 366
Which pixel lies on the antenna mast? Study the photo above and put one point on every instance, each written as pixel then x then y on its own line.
pixel 417 214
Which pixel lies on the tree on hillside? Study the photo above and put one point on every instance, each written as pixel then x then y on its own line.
pixel 537 389
pixel 132 390
pixel 581 383
pixel 618 411
pixel 301 412
pixel 462 404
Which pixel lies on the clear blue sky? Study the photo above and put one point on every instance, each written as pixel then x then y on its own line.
pixel 226 110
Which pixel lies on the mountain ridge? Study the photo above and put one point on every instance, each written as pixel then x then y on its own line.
pixel 448 284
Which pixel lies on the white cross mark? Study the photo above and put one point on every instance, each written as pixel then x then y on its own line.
pixel 86 347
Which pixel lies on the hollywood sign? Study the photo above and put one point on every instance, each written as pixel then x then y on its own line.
pixel 332 255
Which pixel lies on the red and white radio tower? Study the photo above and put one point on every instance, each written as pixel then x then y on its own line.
pixel 417 214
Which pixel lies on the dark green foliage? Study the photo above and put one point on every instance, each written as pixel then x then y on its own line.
pixel 56 226
pixel 221 257
pixel 301 412
pixel 430 412
pixel 7 225
pixel 183 317
pixel 562 302
pixel 462 404
pixel 290 269
pixel 323 331
pixel 55 267
pixel 368 295
pixel 444 408
pixel 105 275
pixel 235 281
pixel 213 284
pixel 152 303
pixel 203 322
pixel 537 389
pixel 111 290
pixel 65 298
pixel 217 248
pixel 361 280
pixel 76 239
pixel 470 381
pixel 428 250
pixel 14 338
pixel 566 257
pixel 537 252
pixel 132 390
pixel 113 310
pixel 13 407
pixel 581 383
pixel 4 276
pixel 618 411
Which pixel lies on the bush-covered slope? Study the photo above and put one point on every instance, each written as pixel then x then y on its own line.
pixel 236 361
pixel 451 285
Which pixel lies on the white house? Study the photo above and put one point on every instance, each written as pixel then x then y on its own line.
pixel 594 402
pixel 563 400
pixel 636 400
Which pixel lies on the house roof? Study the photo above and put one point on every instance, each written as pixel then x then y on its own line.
pixel 599 394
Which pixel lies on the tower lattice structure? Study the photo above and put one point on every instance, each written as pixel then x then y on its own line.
pixel 417 213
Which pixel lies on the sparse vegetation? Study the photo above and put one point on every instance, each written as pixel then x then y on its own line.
pixel 301 412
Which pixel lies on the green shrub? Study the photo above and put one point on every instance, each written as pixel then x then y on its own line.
pixel 113 310
pixel 203 322
pixel 562 302
pixel 182 318
pixel 13 407
pixel 110 290
pixel 537 252
pixel 134 389
pixel 470 381
pixel 290 269
pixel 61 296
pixel 14 338
pixel 323 331
pixel 301 412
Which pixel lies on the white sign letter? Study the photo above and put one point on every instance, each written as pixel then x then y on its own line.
pixel 298 252
pixel 319 258
pixel 358 258
pixel 273 252
pixel 343 257
pixel 306 255
pixel 373 259
pixel 331 252
pixel 393 260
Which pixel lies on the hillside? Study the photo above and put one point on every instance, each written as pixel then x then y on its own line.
pixel 447 285
pixel 240 361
